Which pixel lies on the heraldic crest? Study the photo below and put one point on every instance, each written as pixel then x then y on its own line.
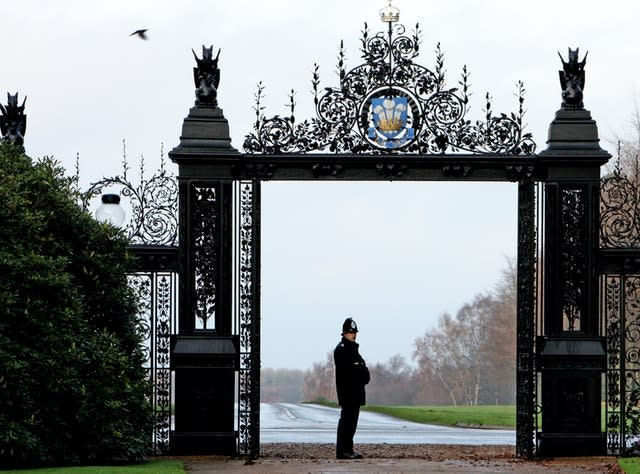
pixel 391 104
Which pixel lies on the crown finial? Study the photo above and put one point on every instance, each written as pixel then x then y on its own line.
pixel 390 14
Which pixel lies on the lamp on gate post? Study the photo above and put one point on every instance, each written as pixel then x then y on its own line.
pixel 110 211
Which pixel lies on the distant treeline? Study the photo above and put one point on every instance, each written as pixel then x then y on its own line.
pixel 467 359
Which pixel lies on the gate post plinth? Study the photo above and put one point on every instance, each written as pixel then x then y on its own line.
pixel 570 352
pixel 204 352
pixel 204 367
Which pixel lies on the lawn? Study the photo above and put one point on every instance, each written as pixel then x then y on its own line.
pixel 170 466
pixel 630 465
pixel 481 416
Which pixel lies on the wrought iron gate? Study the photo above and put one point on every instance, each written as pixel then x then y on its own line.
pixel 156 283
pixel 389 119
pixel 620 309
pixel 247 317
pixel 153 230
pixel 528 295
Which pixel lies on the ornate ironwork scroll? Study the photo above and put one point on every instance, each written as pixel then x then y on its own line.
pixel 153 231
pixel 248 307
pixel 157 294
pixel 619 211
pixel 526 328
pixel 620 307
pixel 204 254
pixel 573 280
pixel 622 310
pixel 153 204
pixel 389 103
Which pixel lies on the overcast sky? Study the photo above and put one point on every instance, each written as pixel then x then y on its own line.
pixel 394 256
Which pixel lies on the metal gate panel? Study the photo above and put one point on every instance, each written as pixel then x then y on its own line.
pixel 527 295
pixel 247 307
pixel 152 228
pixel 620 309
pixel 157 292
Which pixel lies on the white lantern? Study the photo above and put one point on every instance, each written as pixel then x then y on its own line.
pixel 110 211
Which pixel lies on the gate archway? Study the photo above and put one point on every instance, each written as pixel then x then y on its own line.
pixel 388 119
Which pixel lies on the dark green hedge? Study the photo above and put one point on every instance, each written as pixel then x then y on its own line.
pixel 72 386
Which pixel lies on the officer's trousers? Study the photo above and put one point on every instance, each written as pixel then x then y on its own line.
pixel 347 428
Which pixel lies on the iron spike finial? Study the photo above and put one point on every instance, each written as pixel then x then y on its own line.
pixel 390 14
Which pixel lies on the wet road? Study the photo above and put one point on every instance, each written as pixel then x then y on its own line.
pixel 302 423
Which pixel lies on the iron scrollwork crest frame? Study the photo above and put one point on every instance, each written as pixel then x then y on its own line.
pixel 389 104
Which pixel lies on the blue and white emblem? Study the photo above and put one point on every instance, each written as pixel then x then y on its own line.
pixel 389 116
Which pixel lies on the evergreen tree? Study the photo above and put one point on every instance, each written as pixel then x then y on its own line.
pixel 72 385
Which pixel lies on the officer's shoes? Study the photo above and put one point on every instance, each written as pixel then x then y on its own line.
pixel 351 455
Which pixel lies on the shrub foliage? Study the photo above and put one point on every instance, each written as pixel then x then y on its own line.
pixel 72 385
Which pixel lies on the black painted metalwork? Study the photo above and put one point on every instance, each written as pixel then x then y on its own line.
pixel 152 203
pixel 206 77
pixel 620 307
pixel 157 294
pixel 570 349
pixel 205 254
pixel 390 118
pixel 248 315
pixel 573 262
pixel 570 245
pixel 572 80
pixel 204 352
pixel 389 104
pixel 204 216
pixel 13 121
pixel 392 167
pixel 152 229
pixel 526 425
pixel 620 211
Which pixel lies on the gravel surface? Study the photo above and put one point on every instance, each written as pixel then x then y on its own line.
pixel 431 452
pixel 284 458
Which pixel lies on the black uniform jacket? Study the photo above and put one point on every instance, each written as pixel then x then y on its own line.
pixel 352 373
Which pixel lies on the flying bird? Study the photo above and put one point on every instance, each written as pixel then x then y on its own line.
pixel 140 33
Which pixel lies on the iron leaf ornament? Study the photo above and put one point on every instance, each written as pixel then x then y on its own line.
pixel 387 104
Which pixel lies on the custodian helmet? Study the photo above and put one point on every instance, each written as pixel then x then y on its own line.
pixel 349 325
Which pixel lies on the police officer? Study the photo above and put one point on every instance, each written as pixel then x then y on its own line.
pixel 352 375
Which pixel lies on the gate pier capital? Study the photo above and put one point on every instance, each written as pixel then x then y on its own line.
pixel 574 133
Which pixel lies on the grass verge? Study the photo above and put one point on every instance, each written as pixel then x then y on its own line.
pixel 170 466
pixel 630 465
pixel 482 416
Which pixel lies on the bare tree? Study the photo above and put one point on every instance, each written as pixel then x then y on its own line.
pixel 320 381
pixel 281 385
pixel 472 355
pixel 391 383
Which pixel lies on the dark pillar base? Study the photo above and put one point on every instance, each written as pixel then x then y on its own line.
pixel 185 443
pixel 566 444
pixel 204 368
